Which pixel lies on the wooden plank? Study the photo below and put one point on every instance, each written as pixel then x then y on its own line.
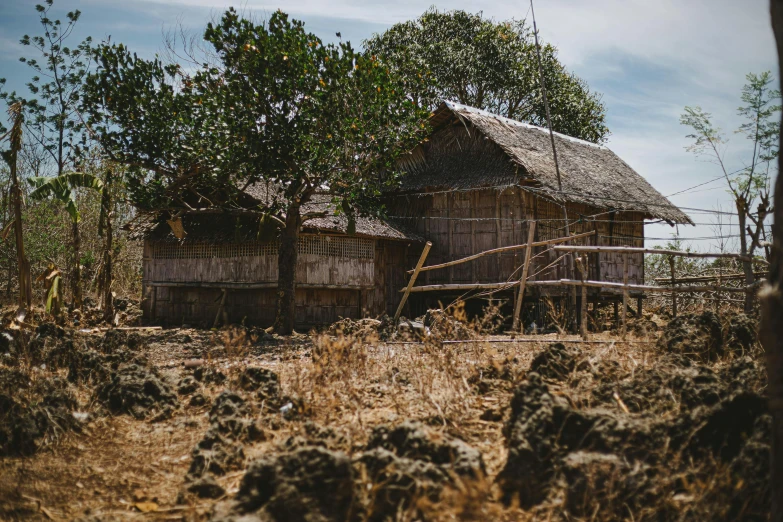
pixel 423 256
pixel 503 249
pixel 636 250
pixel 522 280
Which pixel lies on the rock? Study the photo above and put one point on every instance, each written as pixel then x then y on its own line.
pixel 45 411
pixel 555 361
pixel 307 484
pixel 602 484
pixel 264 382
pixel 443 326
pixel 411 328
pixel 742 334
pixel 136 390
pixel 409 462
pixel 198 400
pixel 414 440
pixel 209 375
pixel 205 487
pixel 228 416
pixel 187 385
pixel 216 454
pixel 696 336
pixel 362 328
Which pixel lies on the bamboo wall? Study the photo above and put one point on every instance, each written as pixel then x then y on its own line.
pixel 336 277
pixel 464 223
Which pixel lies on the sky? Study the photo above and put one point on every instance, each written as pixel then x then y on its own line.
pixel 648 58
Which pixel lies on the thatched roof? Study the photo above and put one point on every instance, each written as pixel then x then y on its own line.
pixel 244 225
pixel 590 174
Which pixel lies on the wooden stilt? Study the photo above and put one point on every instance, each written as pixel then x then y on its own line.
pixel 624 311
pixel 523 280
pixel 674 294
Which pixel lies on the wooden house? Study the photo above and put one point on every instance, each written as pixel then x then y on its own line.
pixel 184 280
pixel 474 185
pixel 480 179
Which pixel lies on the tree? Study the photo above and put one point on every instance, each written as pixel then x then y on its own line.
pixel 750 185
pixel 57 87
pixel 11 157
pixel 490 65
pixel 772 312
pixel 280 105
pixel 61 189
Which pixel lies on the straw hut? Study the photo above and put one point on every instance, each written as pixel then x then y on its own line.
pixel 480 179
pixel 224 269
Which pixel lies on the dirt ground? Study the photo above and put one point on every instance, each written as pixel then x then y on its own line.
pixel 184 424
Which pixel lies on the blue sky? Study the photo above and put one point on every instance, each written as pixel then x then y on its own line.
pixel 648 58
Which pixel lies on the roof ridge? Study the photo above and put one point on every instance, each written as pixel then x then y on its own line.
pixel 462 107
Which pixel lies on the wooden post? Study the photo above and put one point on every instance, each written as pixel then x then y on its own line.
pixel 154 303
pixel 412 280
pixel 582 263
pixel 220 309
pixel 531 231
pixel 625 295
pixel 674 280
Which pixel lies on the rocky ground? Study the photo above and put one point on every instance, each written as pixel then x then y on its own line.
pixel 182 424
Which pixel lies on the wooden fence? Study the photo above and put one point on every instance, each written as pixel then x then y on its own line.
pixel 578 254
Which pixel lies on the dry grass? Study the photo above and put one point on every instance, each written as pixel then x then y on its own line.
pixel 348 384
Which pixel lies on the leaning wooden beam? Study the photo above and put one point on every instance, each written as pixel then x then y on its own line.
pixel 637 250
pixel 505 249
pixel 220 310
pixel 531 232
pixel 412 280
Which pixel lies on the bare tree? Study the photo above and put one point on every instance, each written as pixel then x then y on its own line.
pixel 772 314
pixel 750 185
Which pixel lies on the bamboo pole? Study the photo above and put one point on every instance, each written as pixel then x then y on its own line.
pixel 504 249
pixel 531 232
pixel 412 280
pixel 623 315
pixel 674 294
pixel 637 250
pixel 707 279
pixel 606 285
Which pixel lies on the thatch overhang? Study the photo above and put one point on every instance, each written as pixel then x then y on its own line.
pixel 590 174
pixel 245 224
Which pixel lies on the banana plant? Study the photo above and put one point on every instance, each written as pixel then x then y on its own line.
pixel 61 188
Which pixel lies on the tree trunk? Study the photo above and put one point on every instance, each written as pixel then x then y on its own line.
pixel 747 266
pixel 76 274
pixel 772 313
pixel 106 280
pixel 286 270
pixel 25 280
